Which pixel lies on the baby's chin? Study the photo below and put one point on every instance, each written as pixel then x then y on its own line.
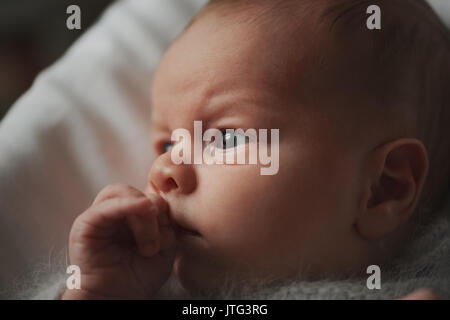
pixel 195 279
pixel 208 282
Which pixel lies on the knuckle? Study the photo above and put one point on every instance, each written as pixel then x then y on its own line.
pixel 138 203
pixel 117 190
pixel 114 187
pixel 122 189
pixel 158 202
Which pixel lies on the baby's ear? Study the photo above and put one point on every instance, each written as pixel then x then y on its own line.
pixel 398 170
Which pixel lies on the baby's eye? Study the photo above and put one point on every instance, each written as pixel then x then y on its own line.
pixel 231 139
pixel 166 147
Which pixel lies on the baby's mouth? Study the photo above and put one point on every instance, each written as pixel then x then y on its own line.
pixel 183 231
pixel 181 228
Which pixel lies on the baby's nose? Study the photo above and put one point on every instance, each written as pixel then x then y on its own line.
pixel 165 176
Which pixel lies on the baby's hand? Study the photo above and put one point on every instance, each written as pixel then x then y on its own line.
pixel 124 245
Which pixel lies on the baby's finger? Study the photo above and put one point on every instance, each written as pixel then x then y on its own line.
pixel 107 216
pixel 146 231
pixel 167 234
pixel 167 240
pixel 159 202
pixel 117 190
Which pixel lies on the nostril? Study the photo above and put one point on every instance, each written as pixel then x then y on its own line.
pixel 170 184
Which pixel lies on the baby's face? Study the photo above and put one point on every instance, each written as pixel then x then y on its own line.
pixel 247 224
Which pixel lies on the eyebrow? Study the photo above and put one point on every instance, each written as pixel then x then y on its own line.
pixel 213 111
pixel 231 109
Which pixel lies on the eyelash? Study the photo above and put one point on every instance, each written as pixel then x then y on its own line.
pixel 161 147
pixel 234 141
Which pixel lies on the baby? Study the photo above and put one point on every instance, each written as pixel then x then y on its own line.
pixel 362 115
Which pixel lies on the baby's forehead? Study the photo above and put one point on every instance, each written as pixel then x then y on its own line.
pixel 228 51
pixel 211 103
pixel 231 47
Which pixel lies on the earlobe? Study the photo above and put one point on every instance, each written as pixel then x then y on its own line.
pixel 398 172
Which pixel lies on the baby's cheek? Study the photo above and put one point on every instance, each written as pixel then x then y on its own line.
pixel 247 210
pixel 246 223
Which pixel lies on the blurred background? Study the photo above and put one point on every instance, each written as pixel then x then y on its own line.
pixel 33 34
